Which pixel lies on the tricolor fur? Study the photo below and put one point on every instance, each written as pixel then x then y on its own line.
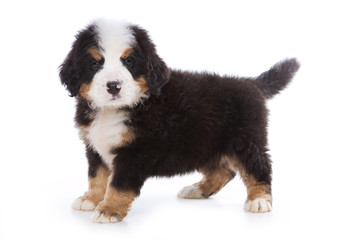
pixel 140 119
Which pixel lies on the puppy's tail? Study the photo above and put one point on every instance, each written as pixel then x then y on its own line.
pixel 277 78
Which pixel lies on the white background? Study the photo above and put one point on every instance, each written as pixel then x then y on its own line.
pixel 313 130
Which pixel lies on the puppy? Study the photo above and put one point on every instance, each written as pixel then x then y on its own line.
pixel 139 119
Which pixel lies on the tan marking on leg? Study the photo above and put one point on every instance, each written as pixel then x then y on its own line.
pixel 255 189
pixel 127 52
pixel 259 197
pixel 95 54
pixel 96 191
pixel 212 183
pixel 230 162
pixel 114 207
pixel 142 83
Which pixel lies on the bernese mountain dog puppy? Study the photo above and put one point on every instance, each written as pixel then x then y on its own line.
pixel 140 119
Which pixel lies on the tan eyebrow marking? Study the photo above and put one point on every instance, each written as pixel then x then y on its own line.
pixel 127 53
pixel 95 54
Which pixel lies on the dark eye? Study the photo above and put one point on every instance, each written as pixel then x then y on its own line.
pixel 95 65
pixel 128 62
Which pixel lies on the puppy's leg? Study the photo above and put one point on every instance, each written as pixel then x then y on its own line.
pixel 123 187
pixel 256 174
pixel 212 182
pixel 259 197
pixel 98 178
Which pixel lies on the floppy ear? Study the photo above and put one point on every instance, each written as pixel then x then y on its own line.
pixel 70 68
pixel 158 74
pixel 69 76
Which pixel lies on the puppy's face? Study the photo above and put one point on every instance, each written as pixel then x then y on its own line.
pixel 113 64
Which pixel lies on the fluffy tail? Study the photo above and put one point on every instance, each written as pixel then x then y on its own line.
pixel 274 80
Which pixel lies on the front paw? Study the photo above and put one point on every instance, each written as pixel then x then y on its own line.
pixel 105 213
pixel 83 204
pixel 88 201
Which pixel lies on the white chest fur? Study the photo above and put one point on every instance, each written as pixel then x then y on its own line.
pixel 106 132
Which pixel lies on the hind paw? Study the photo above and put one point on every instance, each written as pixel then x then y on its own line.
pixel 191 192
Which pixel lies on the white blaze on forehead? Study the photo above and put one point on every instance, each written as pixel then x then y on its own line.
pixel 114 37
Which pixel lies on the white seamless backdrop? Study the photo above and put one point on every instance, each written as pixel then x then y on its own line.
pixel 313 129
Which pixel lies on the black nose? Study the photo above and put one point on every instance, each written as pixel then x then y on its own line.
pixel 113 87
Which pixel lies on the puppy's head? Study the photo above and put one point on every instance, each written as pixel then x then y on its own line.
pixel 113 64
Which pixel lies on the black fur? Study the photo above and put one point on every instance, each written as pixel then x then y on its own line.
pixel 94 161
pixel 198 118
pixel 277 78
